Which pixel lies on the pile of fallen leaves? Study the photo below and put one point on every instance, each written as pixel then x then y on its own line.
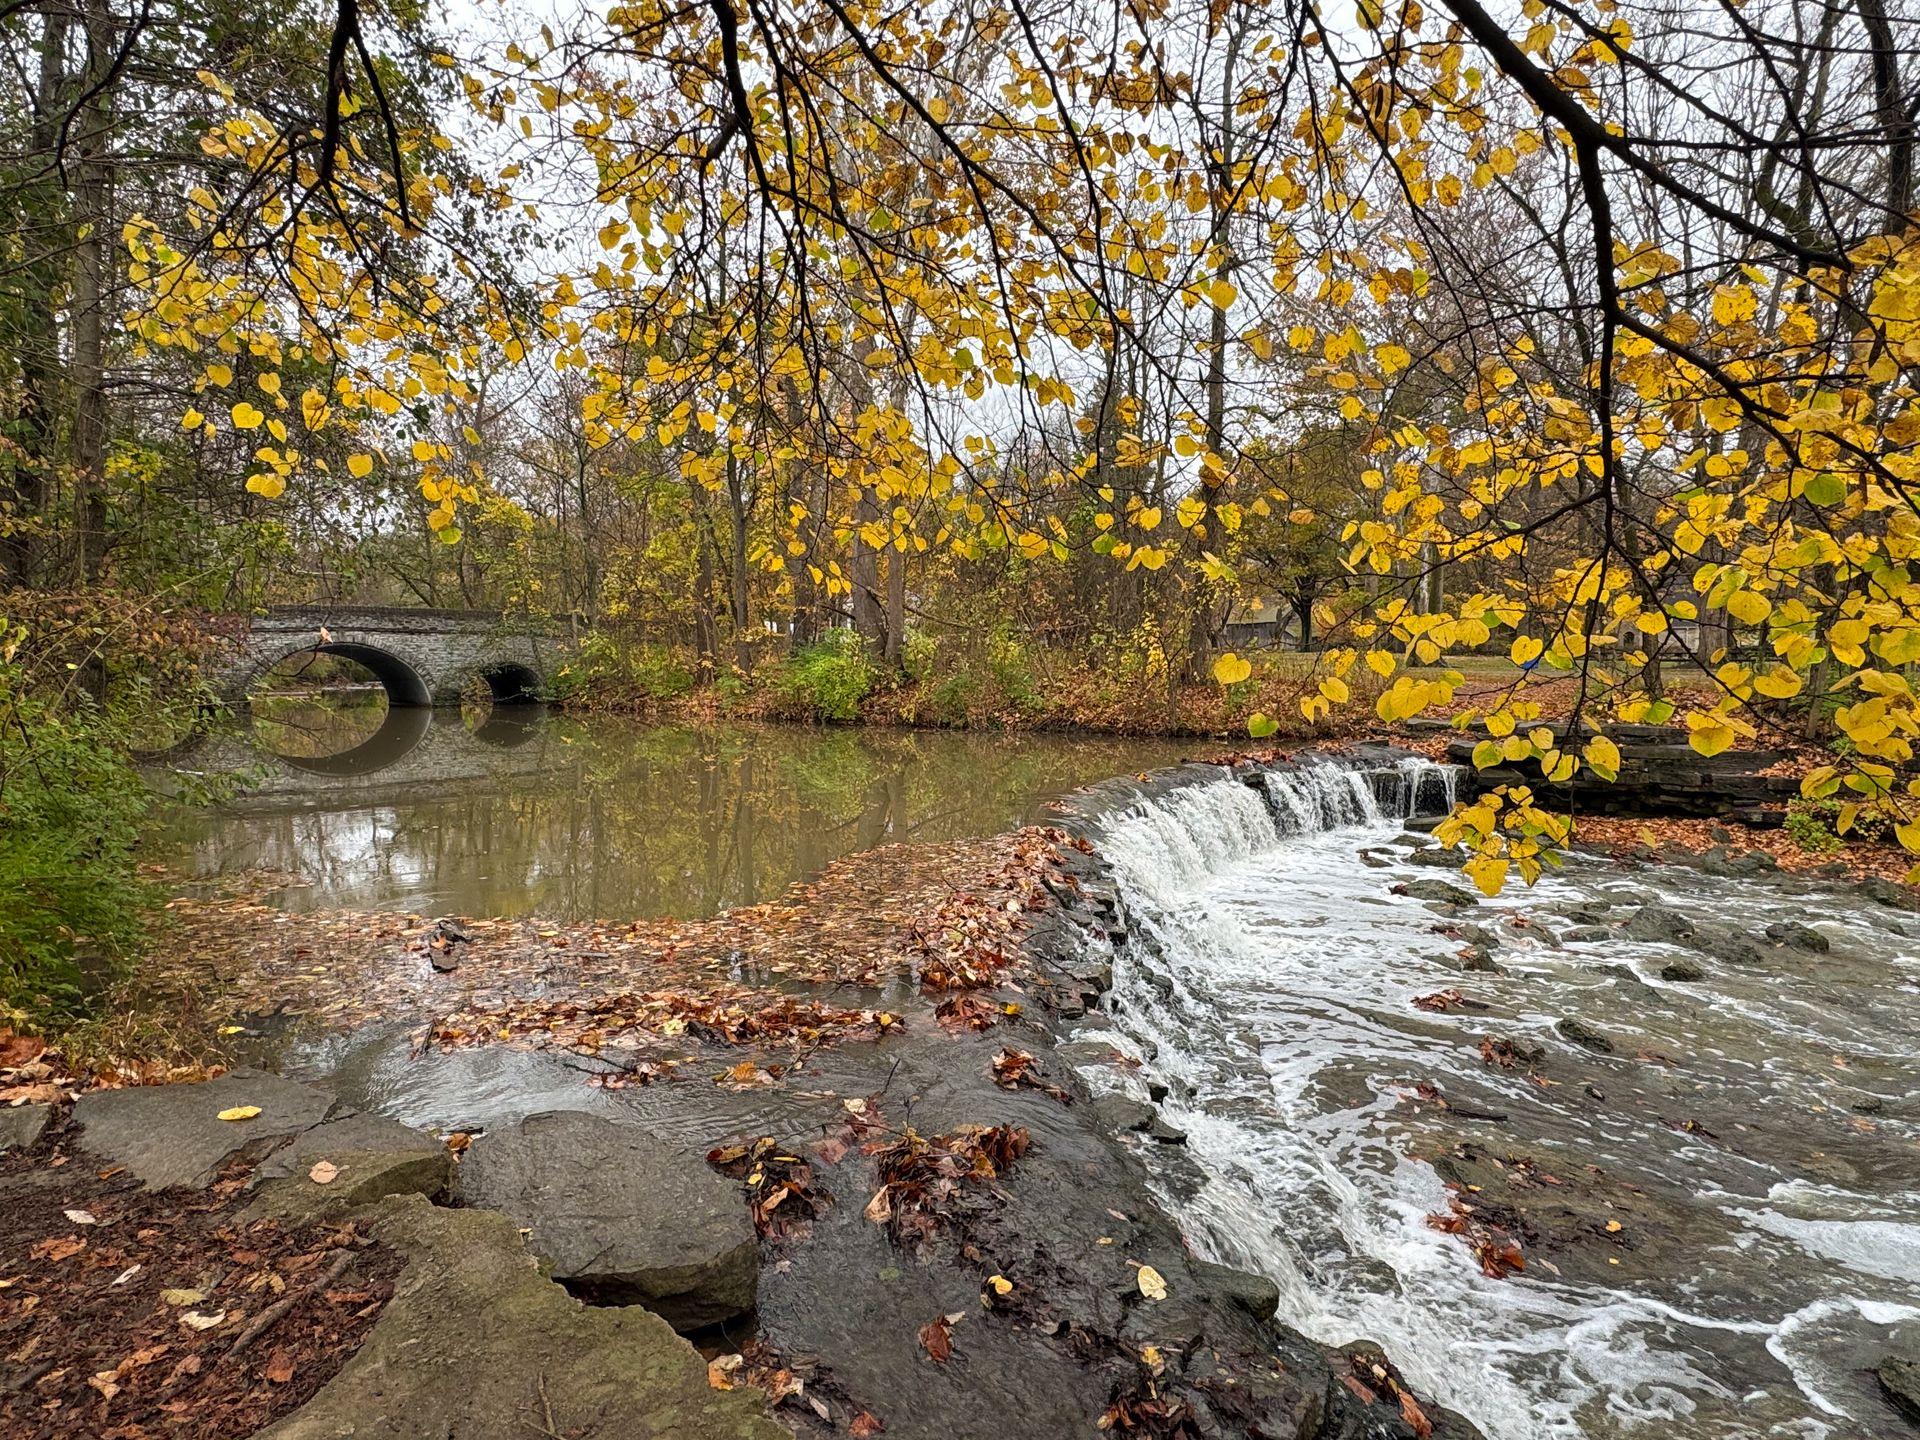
pixel 972 938
pixel 724 1015
pixel 951 913
pixel 781 1193
pixel 923 1177
pixel 1493 1246
pixel 795 1383
pixel 132 1313
pixel 1630 837
pixel 1016 1069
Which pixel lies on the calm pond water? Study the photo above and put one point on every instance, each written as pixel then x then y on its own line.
pixel 528 812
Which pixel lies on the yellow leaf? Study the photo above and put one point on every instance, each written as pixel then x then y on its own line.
pixel 192 420
pixel 1148 518
pixel 1153 1284
pixel 239 1112
pixel 1710 734
pixel 1603 756
pixel 359 466
pixel 1488 873
pixel 1525 648
pixel 246 417
pixel 1231 669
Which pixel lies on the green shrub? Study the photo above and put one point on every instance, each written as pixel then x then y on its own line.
pixel 606 667
pixel 87 682
pixel 828 679
pixel 1809 826
pixel 73 908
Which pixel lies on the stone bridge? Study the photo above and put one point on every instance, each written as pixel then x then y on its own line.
pixel 420 657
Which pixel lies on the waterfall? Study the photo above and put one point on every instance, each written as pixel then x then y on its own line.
pixel 1267 981
pixel 1164 845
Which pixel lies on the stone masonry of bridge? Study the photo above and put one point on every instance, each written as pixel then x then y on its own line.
pixel 421 657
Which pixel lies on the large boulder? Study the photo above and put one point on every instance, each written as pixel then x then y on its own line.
pixel 621 1217
pixel 476 1345
pixel 173 1134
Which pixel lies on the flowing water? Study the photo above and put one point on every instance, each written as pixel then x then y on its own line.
pixel 1729 1203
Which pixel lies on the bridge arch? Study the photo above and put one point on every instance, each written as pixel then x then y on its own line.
pixel 404 685
pixel 510 682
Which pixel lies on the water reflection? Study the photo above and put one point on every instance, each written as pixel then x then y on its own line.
pixel 540 814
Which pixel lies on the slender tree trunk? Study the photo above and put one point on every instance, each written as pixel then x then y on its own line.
pixel 92 284
pixel 23 506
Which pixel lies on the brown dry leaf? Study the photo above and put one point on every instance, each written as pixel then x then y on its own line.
pixel 56 1249
pixel 936 1338
pixel 324 1172
pixel 1415 1417
pixel 866 1423
pixel 720 1371
pixel 280 1367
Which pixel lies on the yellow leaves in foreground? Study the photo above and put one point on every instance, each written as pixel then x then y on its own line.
pixel 239 1112
pixel 246 416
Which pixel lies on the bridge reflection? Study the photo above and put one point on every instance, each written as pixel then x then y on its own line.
pixel 551 815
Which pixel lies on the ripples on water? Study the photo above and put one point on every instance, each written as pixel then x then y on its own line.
pixel 1270 983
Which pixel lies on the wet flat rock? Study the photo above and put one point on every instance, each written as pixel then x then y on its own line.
pixel 367 1158
pixel 173 1134
pixel 476 1345
pixel 621 1217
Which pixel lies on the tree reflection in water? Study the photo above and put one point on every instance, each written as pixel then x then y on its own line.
pixel 578 819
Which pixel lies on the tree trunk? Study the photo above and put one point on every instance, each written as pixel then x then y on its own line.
pixel 23 506
pixel 92 285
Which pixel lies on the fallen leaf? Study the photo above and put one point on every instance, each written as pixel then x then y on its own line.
pixel 197 1320
pixel 104 1383
pixel 866 1423
pixel 1153 1284
pixel 63 1248
pixel 936 1338
pixel 1001 1285
pixel 720 1372
pixel 279 1368
pixel 239 1112
pixel 183 1297
pixel 1415 1417
pixel 324 1172
pixel 81 1217
pixel 127 1274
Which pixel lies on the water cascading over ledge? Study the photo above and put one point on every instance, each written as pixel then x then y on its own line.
pixel 1293 1011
